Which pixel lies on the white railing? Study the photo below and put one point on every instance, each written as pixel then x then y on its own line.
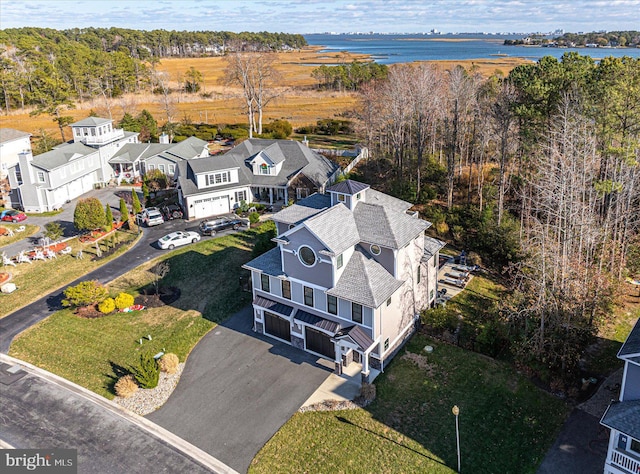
pixel 624 461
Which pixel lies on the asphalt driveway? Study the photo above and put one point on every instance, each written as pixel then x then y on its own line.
pixel 238 388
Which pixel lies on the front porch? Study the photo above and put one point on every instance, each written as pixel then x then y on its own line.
pixel 270 195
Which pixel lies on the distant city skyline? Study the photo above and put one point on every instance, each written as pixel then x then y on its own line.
pixel 320 16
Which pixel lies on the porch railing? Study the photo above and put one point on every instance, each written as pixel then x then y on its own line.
pixel 621 460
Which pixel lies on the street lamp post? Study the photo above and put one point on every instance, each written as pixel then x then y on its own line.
pixel 456 411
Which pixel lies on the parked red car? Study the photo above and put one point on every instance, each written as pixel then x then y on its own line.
pixel 10 215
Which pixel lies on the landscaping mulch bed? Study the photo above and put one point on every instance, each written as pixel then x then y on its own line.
pixel 89 312
pixel 164 296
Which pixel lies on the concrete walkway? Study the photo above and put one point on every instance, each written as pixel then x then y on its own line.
pixel 41 410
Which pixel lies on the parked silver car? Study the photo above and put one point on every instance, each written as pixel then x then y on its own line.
pixel 175 239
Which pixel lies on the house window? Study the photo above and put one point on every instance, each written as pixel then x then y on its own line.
pixel 286 289
pixel 386 344
pixel 40 176
pixel 161 168
pixel 93 132
pixel 264 283
pixel 635 446
pixel 307 256
pixel 356 313
pixel 308 296
pixel 341 198
pixel 218 178
pixel 172 169
pixel 332 304
pixel 18 175
pixel 241 196
pixel 152 167
pixel 389 302
pixel 431 294
pixel 264 168
pixel 375 249
pixel 419 275
pixel 358 196
pixel 339 261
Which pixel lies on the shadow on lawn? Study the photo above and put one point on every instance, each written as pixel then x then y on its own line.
pixel 349 422
pixel 117 371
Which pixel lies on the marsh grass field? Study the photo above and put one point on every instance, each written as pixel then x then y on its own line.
pixel 299 101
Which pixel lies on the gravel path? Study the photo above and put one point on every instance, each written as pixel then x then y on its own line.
pixel 145 401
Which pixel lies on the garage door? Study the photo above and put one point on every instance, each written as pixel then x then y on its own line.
pixel 212 206
pixel 276 326
pixel 320 343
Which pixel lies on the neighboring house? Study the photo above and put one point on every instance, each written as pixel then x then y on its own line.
pixel 352 270
pixel 256 170
pixel 623 416
pixel 12 143
pixel 45 182
pixel 135 159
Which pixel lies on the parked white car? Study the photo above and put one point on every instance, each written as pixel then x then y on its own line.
pixel 175 239
pixel 152 216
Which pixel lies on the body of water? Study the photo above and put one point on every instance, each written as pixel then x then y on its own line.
pixel 389 49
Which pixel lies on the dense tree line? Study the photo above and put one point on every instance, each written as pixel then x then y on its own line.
pixel 50 69
pixel 348 76
pixel 611 38
pixel 539 171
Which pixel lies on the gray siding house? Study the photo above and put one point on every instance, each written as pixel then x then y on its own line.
pixel 352 270
pixel 623 416
pixel 257 170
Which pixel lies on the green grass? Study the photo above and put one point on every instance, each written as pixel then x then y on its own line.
pixel 506 423
pixel 44 214
pixel 37 279
pixel 28 231
pixel 94 352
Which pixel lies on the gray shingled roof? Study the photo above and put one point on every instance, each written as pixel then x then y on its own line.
pixel 131 152
pixel 273 153
pixel 303 209
pixel 188 149
pixel 335 227
pixel 10 134
pixel 188 169
pixel 274 306
pixel 632 345
pixel 348 186
pixel 269 262
pixel 61 155
pixel 357 335
pixel 365 281
pixel 431 246
pixel 316 321
pixel 383 226
pixel 91 122
pixel 624 417
pixel 390 202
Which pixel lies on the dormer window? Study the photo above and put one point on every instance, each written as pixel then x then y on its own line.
pixel 307 256
pixel 218 178
pixel 264 169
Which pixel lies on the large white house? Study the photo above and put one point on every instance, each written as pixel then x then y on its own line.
pixel 352 270
pixel 256 170
pixel 623 416
pixel 97 154
pixel 12 143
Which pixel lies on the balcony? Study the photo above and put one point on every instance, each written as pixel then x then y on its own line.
pixel 626 463
pixel 101 139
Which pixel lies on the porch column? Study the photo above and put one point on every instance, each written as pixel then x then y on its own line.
pixel 338 359
pixel 286 196
pixel 270 195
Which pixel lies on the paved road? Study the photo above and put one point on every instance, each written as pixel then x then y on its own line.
pixel 238 388
pixel 143 251
pixel 43 411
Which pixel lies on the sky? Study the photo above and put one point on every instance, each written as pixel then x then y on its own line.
pixel 319 16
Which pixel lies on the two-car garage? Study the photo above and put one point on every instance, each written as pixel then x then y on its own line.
pixel 209 206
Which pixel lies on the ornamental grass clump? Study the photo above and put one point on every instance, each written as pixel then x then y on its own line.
pixel 169 363
pixel 147 373
pixel 126 386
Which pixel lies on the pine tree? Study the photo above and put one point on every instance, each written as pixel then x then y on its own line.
pixel 137 207
pixel 108 220
pixel 124 212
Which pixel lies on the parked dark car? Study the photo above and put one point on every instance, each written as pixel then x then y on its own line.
pixel 171 211
pixel 216 224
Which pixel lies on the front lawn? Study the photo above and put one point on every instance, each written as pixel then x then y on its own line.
pixel 29 230
pixel 39 278
pixel 94 352
pixel 506 423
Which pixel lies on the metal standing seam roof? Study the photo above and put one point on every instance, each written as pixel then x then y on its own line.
pixel 357 335
pixel 91 122
pixel 632 345
pixel 274 306
pixel 365 281
pixel 348 186
pixel 317 321
pixel 269 263
pixel 623 417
